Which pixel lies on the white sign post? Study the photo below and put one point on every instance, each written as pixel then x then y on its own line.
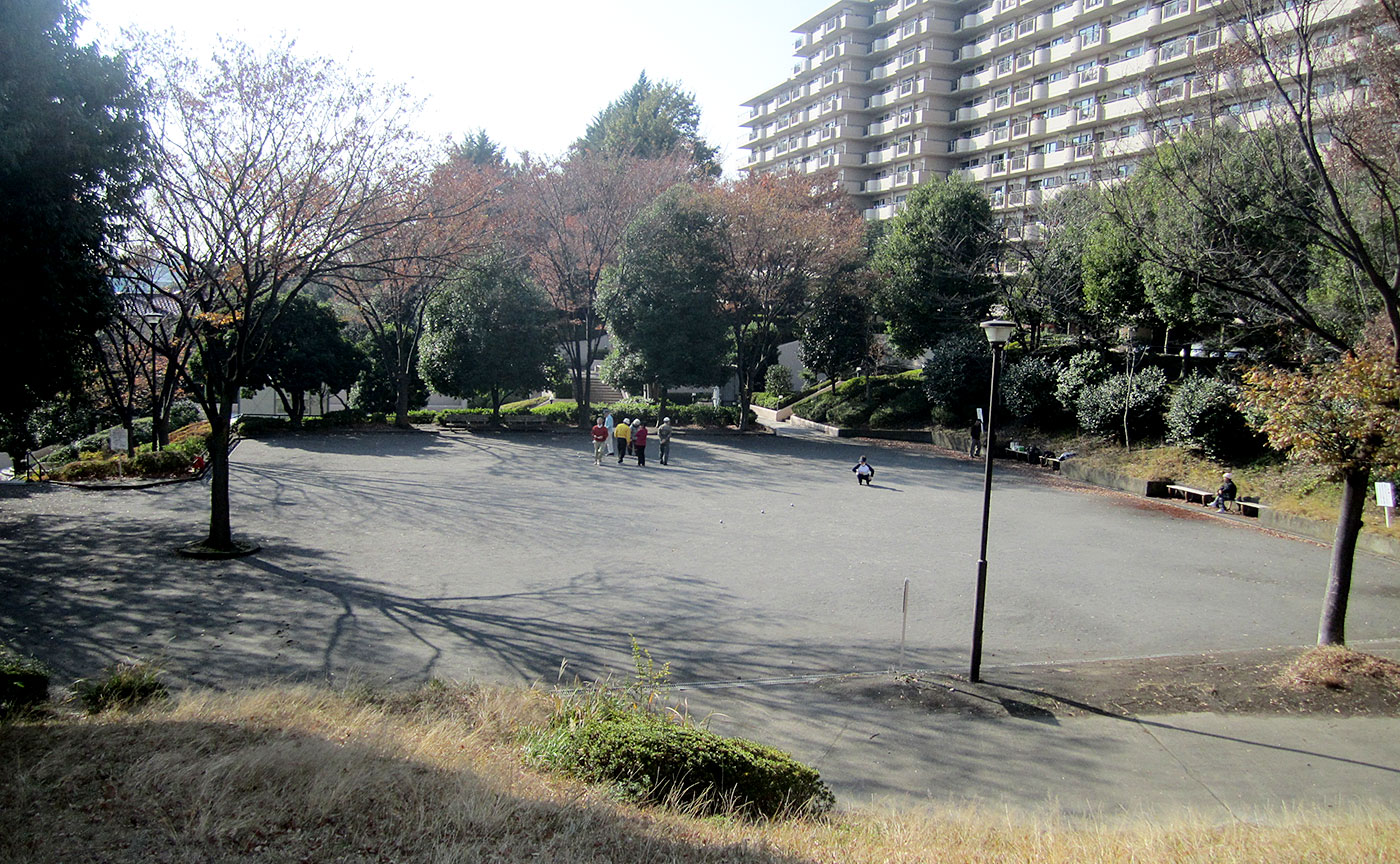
pixel 1385 497
pixel 117 440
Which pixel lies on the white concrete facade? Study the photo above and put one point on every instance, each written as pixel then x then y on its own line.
pixel 1024 97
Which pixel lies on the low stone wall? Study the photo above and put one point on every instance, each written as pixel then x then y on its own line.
pixel 769 415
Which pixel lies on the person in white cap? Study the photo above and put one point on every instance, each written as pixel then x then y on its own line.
pixel 663 438
pixel 1226 493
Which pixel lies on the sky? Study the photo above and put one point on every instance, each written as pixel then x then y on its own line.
pixel 531 73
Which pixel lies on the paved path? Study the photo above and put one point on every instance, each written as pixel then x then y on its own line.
pixel 749 559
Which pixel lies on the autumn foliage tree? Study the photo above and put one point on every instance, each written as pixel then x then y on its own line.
pixel 1344 415
pixel 784 237
pixel 570 216
pixel 275 172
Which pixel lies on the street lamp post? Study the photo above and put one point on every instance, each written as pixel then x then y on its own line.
pixel 153 319
pixel 998 334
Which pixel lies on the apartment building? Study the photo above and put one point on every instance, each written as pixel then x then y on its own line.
pixel 1024 97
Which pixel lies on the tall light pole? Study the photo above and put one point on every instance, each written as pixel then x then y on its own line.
pixel 998 334
pixel 153 319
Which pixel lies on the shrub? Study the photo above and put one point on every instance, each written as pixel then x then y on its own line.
pixel 705 414
pixel 1082 370
pixel 124 686
pixel 261 427
pixel 419 416
pixel 183 413
pixel 909 408
pixel 163 463
pixel 24 682
pixel 652 759
pixel 1028 392
pixel 957 375
pixel 778 380
pixel 764 399
pixel 1202 416
pixel 564 412
pixel 91 469
pixel 1100 406
pixel 523 406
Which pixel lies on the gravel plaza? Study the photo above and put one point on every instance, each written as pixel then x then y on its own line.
pixel 750 561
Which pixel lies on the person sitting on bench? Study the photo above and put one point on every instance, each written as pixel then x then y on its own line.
pixel 1225 494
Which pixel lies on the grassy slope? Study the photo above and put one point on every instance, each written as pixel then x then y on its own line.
pixel 297 774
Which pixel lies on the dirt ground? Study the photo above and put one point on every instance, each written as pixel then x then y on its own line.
pixel 1248 682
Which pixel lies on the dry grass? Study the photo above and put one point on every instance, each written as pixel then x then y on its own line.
pixel 1337 667
pixel 1289 487
pixel 304 774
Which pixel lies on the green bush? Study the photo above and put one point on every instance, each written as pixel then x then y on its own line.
pixel 261 427
pixel 1082 370
pixel 124 686
pixel 422 416
pixel 652 759
pixel 564 412
pixel 163 463
pixel 957 375
pixel 1028 392
pixel 184 412
pixel 523 406
pixel 909 408
pixel 705 414
pixel 771 401
pixel 24 682
pixel 91 469
pixel 778 380
pixel 1202 416
pixel 1101 406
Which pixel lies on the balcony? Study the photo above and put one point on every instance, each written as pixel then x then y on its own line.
pixel 1058 159
pixel 1088 77
pixel 970 113
pixel 1131 68
pixel 1065 16
pixel 1060 89
pixel 1063 51
pixel 1120 108
pixel 1134 28
pixel 1059 122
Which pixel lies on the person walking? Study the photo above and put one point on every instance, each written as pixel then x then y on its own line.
pixel 600 441
pixel 609 423
pixel 639 443
pixel 975 433
pixel 623 433
pixel 864 473
pixel 636 424
pixel 663 439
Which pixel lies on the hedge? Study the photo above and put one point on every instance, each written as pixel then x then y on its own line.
pixel 654 759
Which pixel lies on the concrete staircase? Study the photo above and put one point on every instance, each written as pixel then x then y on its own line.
pixel 600 393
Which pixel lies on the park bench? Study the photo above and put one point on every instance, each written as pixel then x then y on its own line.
pixel 524 422
pixel 1048 461
pixel 1247 506
pixel 466 421
pixel 1189 494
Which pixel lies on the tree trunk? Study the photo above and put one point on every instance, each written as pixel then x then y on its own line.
pixel 401 400
pixel 129 424
pixel 298 408
pixel 287 406
pixel 496 404
pixel 220 531
pixel 1332 629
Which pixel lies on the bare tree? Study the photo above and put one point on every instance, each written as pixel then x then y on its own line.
pixel 572 214
pixel 274 172
pixel 784 235
pixel 1331 73
pixel 403 269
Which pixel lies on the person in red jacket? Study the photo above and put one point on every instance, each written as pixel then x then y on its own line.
pixel 600 441
pixel 639 442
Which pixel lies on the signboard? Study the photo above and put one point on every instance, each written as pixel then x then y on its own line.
pixel 1385 494
pixel 980 418
pixel 116 439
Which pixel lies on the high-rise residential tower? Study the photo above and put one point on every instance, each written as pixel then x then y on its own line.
pixel 1022 96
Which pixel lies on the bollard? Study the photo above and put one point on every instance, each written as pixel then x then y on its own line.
pixel 904 625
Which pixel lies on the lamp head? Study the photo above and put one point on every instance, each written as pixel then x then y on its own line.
pixel 998 331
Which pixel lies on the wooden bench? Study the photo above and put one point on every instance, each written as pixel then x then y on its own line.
pixel 466 421
pixel 1050 462
pixel 1247 506
pixel 1189 494
pixel 524 423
